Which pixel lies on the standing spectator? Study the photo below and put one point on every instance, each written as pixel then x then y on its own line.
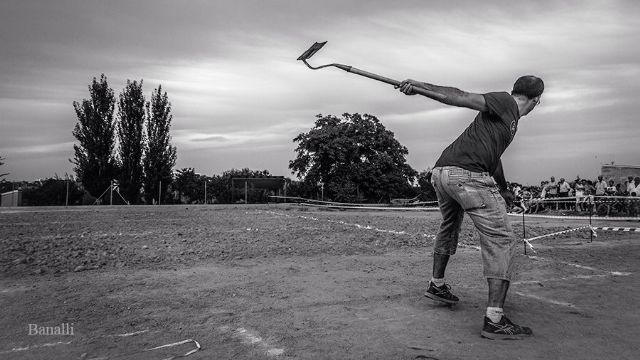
pixel 635 191
pixel 551 190
pixel 517 191
pixel 601 186
pixel 610 203
pixel 630 185
pixel 579 188
pixel 589 191
pixel 563 193
pixel 611 188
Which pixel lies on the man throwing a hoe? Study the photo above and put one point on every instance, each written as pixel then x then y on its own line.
pixel 468 177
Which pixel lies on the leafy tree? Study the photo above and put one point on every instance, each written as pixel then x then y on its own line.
pixel 94 161
pixel 159 156
pixel 427 192
pixel 2 163
pixel 52 191
pixel 190 185
pixel 131 112
pixel 355 157
pixel 221 186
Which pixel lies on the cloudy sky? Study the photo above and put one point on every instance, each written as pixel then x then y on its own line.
pixel 239 96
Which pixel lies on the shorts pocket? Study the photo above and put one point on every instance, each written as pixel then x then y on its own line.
pixel 471 196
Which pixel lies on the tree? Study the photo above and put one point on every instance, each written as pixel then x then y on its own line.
pixel 94 161
pixel 2 163
pixel 52 191
pixel 159 156
pixel 131 115
pixel 355 158
pixel 221 186
pixel 190 185
pixel 427 192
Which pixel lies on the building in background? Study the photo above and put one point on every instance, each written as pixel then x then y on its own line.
pixel 619 173
pixel 12 198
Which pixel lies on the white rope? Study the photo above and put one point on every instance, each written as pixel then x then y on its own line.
pixel 372 207
pixel 339 203
pixel 556 233
pixel 567 217
pixel 584 198
pixel 627 229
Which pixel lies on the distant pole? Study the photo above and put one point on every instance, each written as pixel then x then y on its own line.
pixel 590 214
pixel 111 193
pixel 285 191
pixel 205 191
pixel 246 190
pixel 524 234
pixel 159 192
pixel 66 199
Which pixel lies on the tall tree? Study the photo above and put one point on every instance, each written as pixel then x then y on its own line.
pixel 2 163
pixel 94 161
pixel 131 112
pixel 355 158
pixel 159 155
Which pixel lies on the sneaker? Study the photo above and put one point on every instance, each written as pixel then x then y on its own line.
pixel 504 330
pixel 441 293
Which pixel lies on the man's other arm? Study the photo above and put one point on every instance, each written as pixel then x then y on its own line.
pixel 498 176
pixel 446 95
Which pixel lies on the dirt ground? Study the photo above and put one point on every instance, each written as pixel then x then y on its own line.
pixel 284 282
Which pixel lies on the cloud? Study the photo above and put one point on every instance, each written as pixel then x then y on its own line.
pixel 230 72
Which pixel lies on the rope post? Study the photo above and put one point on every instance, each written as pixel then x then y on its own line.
pixel 66 198
pixel 524 234
pixel 590 214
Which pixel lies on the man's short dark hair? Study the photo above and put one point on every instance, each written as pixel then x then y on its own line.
pixel 529 86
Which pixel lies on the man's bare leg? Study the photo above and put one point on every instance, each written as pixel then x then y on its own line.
pixel 438 290
pixel 497 292
pixel 439 265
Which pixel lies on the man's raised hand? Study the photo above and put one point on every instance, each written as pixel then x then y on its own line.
pixel 407 86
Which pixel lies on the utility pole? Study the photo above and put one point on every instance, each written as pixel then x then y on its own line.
pixel 205 191
pixel 159 192
pixel 66 199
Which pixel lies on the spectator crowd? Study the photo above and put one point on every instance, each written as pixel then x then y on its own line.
pixel 598 197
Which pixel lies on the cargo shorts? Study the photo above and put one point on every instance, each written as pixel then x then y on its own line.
pixel 475 193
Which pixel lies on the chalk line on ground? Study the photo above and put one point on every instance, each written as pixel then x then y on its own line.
pixel 541 298
pixel 249 338
pixel 31 347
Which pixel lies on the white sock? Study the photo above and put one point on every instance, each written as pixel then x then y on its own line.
pixel 494 314
pixel 437 282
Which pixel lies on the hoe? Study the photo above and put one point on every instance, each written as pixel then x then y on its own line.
pixel 317 46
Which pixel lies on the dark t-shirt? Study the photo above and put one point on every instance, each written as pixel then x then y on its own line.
pixel 481 145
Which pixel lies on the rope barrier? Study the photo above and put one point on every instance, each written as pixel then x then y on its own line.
pixel 371 207
pixel 593 198
pixel 558 233
pixel 584 217
pixel 626 229
pixel 344 204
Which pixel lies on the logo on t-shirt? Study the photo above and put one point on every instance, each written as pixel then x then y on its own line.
pixel 514 128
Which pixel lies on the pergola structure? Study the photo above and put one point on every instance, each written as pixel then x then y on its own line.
pixel 274 183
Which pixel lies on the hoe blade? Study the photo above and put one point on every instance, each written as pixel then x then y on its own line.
pixel 312 50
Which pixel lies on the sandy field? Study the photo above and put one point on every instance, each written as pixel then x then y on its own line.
pixel 287 282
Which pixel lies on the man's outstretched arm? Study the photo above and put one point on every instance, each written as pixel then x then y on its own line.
pixel 446 95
